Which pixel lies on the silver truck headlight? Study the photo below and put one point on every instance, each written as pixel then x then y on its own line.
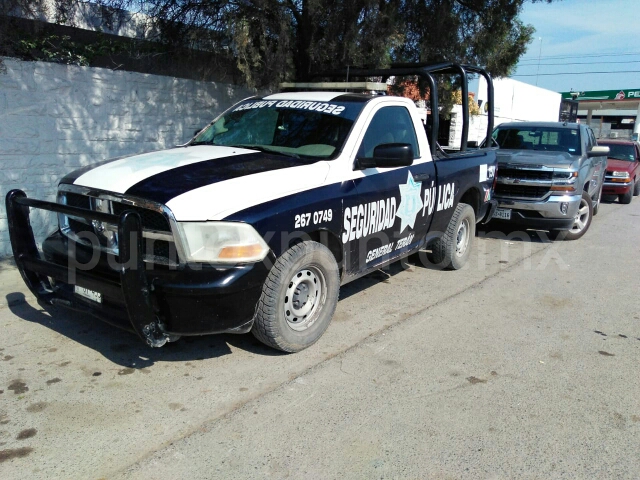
pixel 564 182
pixel 222 242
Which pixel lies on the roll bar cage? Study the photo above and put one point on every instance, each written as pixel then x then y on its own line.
pixel 428 71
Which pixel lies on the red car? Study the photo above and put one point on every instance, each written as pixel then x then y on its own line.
pixel 623 169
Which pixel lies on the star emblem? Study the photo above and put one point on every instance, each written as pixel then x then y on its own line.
pixel 410 202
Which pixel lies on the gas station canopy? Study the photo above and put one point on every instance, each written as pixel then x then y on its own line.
pixel 604 101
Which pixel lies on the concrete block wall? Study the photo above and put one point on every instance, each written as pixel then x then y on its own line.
pixel 56 118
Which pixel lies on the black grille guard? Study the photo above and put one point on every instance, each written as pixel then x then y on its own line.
pixel 133 287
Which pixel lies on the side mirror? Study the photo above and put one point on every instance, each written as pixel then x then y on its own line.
pixel 387 155
pixel 598 151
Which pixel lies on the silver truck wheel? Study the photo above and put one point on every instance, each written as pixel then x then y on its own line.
pixel 452 250
pixel 305 295
pixel 582 220
pixel 298 298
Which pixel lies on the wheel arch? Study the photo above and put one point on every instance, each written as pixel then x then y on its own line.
pixel 472 198
pixel 324 237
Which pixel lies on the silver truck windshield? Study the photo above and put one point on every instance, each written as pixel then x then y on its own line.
pixel 538 138
pixel 287 127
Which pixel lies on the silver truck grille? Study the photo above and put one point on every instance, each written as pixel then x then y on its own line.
pixel 158 241
pixel 524 184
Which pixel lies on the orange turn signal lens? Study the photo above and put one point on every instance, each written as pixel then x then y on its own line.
pixel 241 251
pixel 563 188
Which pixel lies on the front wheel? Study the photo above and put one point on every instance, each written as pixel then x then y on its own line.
pixel 298 298
pixel 582 220
pixel 626 198
pixel 452 250
pixel 636 191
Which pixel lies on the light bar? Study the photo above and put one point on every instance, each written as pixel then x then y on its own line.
pixel 370 86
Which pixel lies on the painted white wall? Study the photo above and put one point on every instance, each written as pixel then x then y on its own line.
pixel 56 118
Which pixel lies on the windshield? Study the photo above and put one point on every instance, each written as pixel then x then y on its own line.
pixel 538 138
pixel 619 152
pixel 287 127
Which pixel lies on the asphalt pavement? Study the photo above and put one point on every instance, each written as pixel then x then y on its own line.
pixel 522 365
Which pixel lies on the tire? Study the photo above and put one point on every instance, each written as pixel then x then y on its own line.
pixel 452 250
pixel 626 198
pixel 290 316
pixel 596 209
pixel 636 191
pixel 582 220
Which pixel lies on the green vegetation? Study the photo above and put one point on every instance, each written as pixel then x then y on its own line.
pixel 275 40
pixel 61 49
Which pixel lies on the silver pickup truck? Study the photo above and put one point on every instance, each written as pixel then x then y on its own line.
pixel 550 176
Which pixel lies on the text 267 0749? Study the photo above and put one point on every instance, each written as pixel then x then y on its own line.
pixel 314 218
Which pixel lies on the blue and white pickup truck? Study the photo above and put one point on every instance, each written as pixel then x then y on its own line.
pixel 256 222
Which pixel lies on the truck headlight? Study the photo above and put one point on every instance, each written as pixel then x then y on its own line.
pixel 222 242
pixel 620 174
pixel 564 181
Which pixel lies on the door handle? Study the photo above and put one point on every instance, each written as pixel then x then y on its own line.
pixel 421 176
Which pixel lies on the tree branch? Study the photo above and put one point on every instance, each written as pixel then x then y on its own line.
pixel 294 11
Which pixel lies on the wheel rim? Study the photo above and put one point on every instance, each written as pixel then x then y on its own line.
pixel 582 217
pixel 304 298
pixel 462 239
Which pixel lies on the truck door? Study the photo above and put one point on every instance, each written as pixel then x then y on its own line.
pixel 395 205
pixel 599 165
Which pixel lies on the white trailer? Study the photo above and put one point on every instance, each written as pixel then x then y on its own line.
pixel 514 102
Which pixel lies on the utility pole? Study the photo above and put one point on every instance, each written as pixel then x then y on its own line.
pixel 539 55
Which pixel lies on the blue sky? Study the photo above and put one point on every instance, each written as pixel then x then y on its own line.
pixel 575 31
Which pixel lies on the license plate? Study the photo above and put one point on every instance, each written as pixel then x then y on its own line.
pixel 502 213
pixel 86 293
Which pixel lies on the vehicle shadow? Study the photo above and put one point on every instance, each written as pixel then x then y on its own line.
pixel 512 233
pixel 386 274
pixel 125 348
pixel 383 275
pixel 609 199
pixel 420 259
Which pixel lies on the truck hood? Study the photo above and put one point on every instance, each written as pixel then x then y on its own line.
pixel 203 182
pixel 536 157
pixel 620 165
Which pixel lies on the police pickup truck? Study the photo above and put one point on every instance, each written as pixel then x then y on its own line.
pixel 256 222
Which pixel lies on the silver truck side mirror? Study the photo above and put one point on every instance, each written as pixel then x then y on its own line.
pixel 598 151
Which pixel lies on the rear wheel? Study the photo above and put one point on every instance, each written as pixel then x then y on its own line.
pixel 298 298
pixel 452 250
pixel 625 198
pixel 582 220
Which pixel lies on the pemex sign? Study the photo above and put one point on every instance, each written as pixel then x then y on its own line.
pixel 625 94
